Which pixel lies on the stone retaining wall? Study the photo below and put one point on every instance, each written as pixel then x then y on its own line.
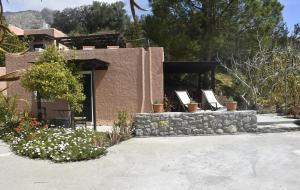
pixel 200 123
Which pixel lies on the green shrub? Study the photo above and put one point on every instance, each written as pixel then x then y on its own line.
pixel 8 114
pixel 122 129
pixel 61 145
pixel 55 79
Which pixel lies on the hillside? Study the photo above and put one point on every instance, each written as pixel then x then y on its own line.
pixel 30 19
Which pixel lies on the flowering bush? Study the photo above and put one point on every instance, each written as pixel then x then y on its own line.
pixel 35 140
pixel 61 145
pixel 29 124
pixel 8 114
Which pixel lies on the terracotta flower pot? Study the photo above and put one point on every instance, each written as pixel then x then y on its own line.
pixel 158 108
pixel 231 106
pixel 192 107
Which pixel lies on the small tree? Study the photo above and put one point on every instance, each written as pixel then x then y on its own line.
pixel 53 79
pixel 270 77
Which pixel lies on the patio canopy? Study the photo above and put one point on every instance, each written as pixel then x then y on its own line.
pixel 189 66
pixel 99 41
pixel 90 64
pixel 199 67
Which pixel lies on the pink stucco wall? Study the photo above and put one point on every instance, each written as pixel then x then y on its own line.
pixel 133 80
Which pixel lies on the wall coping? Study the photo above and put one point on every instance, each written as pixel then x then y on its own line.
pixel 201 112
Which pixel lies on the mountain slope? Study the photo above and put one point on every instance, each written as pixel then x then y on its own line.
pixel 29 19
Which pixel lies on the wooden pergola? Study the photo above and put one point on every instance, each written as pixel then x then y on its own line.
pixel 99 41
pixel 199 67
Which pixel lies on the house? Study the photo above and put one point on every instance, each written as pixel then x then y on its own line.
pixel 115 78
pixel 40 38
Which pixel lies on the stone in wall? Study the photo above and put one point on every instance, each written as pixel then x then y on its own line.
pixel 199 123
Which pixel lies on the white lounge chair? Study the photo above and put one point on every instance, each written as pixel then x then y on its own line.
pixel 184 98
pixel 212 101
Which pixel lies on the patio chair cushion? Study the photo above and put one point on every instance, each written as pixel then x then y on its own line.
pixel 211 99
pixel 183 97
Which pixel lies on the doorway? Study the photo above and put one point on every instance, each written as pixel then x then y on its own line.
pixel 87 109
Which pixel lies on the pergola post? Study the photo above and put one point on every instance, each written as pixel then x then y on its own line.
pixel 94 99
pixel 199 86
pixel 39 107
pixel 213 79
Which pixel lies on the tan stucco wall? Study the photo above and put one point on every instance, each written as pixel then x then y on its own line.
pixel 16 30
pixel 133 80
pixel 3 85
pixel 15 62
pixel 50 31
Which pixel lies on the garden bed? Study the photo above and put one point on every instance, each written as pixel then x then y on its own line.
pixel 30 138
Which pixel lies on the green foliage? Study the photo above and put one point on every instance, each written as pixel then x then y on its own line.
pixel 168 105
pixel 8 114
pixel 224 84
pixel 286 66
pixel 122 129
pixel 193 101
pixel 135 35
pixel 265 77
pixel 53 80
pixel 28 125
pixel 157 102
pixel 203 29
pixel 230 99
pixel 11 44
pixel 51 55
pixel 92 18
pixel 59 145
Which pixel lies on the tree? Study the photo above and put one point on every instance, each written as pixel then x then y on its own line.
pixel 92 18
pixel 135 35
pixel 202 29
pixel 271 77
pixel 48 15
pixel 53 80
pixel 133 6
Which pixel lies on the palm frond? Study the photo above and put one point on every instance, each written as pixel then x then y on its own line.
pixel 133 6
pixel 12 76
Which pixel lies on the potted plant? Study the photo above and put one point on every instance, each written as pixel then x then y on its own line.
pixel 158 106
pixel 231 104
pixel 193 106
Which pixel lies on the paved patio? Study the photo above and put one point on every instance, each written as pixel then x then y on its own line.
pixel 248 161
pixel 276 123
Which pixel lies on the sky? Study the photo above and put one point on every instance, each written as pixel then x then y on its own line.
pixel 291 10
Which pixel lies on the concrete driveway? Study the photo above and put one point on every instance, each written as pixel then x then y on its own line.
pixel 267 161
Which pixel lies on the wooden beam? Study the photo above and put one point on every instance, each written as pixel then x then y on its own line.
pixel 213 79
pixel 94 99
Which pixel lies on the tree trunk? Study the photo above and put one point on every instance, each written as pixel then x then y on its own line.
pixel 39 107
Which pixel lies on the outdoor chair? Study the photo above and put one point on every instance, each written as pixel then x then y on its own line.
pixel 184 99
pixel 212 101
pixel 79 121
